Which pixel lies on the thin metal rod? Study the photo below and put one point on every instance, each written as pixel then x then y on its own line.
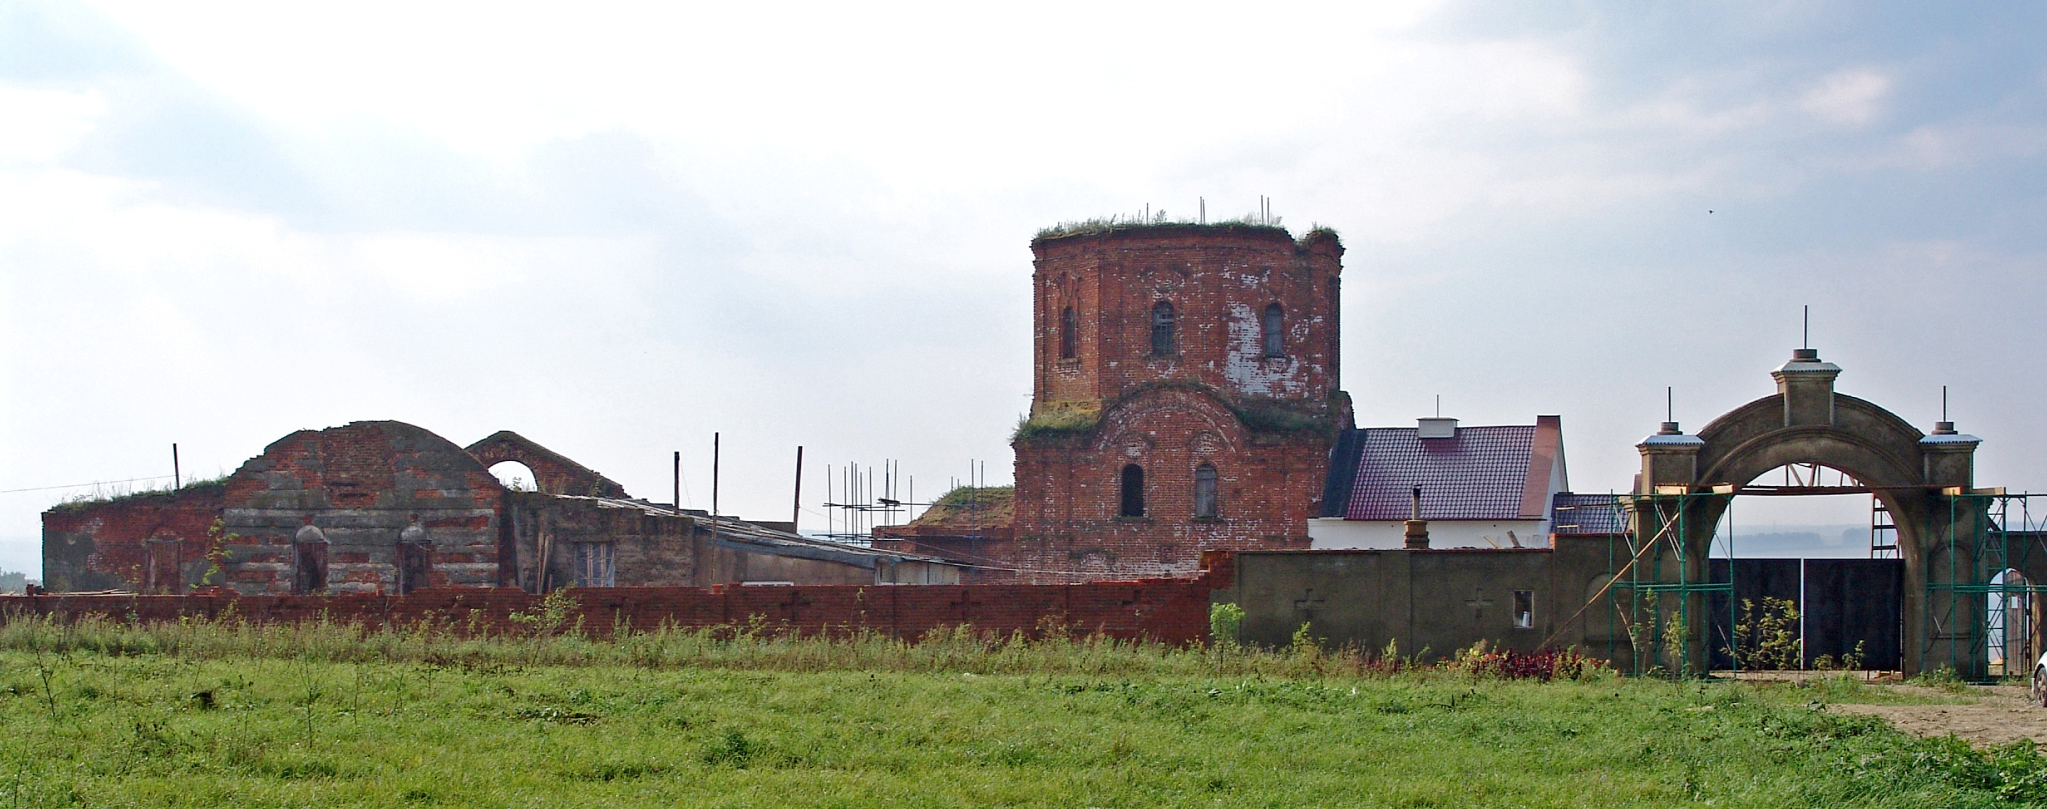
pixel 1805 331
pixel 678 481
pixel 714 476
pixel 796 507
pixel 1611 582
pixel 177 479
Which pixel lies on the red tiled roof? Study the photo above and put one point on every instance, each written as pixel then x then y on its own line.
pixel 1478 475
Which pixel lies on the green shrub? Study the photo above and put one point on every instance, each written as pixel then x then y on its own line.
pixel 1224 621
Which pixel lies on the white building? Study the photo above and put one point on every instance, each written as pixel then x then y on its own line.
pixel 1481 487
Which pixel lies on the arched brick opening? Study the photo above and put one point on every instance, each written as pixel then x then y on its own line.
pixel 553 472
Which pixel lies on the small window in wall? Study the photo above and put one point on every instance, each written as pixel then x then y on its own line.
pixel 309 567
pixel 1133 491
pixel 1207 502
pixel 1274 331
pixel 1162 321
pixel 1524 609
pixel 1067 339
pixel 594 565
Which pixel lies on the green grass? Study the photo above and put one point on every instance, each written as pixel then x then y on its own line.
pixel 205 715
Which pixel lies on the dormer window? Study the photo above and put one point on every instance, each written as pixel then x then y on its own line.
pixel 1162 322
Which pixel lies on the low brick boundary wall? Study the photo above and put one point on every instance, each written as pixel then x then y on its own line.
pixel 1168 610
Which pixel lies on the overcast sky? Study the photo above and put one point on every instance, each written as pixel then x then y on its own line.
pixel 617 228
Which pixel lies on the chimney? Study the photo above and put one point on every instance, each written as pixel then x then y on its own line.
pixel 1417 535
pixel 1436 427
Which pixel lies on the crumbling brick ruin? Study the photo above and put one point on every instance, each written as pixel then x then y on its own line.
pixel 383 507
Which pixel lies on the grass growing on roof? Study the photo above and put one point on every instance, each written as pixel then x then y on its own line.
pixel 1129 222
pixel 314 715
pixel 971 506
pixel 115 493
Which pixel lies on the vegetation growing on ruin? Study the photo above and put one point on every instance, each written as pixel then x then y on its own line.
pixel 1248 223
pixel 1259 414
pixel 1285 416
pixel 104 713
pixel 115 493
pixel 1055 423
pixel 971 506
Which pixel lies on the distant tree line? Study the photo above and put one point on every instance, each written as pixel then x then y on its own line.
pixel 12 583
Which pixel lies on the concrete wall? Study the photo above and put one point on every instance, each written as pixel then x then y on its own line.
pixel 1337 534
pixel 727 562
pixel 1426 602
pixel 653 546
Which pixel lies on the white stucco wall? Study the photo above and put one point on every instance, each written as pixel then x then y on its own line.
pixel 1331 533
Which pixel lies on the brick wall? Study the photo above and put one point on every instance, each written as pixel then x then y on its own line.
pixel 362 485
pixel 1169 610
pixel 1069 493
pixel 555 473
pixel 1265 423
pixel 147 542
pixel 1219 281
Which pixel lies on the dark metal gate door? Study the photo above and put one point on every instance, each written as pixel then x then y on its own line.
pixel 1754 580
pixel 1850 601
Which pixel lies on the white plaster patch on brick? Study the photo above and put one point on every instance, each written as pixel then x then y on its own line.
pixel 1247 368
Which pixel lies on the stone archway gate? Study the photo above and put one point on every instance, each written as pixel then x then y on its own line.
pixel 1925 480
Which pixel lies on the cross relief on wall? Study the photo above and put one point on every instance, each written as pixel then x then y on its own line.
pixel 1478 602
pixel 1305 605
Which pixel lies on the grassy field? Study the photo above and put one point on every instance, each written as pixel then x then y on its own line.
pixel 105 714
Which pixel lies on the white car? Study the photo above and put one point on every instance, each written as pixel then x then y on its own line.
pixel 2040 681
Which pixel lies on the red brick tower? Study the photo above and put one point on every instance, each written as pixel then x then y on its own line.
pixel 1186 397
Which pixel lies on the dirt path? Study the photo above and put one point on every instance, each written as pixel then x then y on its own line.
pixel 2000 713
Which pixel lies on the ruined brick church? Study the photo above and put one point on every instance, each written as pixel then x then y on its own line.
pixel 1185 400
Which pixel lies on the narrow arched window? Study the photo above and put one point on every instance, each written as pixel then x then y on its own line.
pixel 1207 500
pixel 1133 491
pixel 1274 331
pixel 1066 335
pixel 1162 329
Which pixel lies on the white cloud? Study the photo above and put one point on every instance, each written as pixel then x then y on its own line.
pixel 42 125
pixel 1852 96
pixel 617 226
